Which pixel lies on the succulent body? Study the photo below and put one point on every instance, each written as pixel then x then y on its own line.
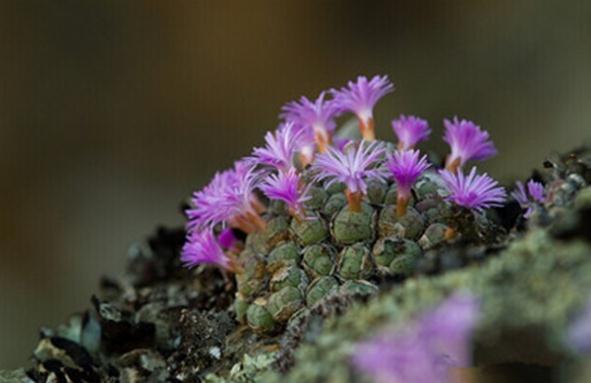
pixel 295 264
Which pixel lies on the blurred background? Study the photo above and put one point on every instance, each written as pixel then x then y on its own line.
pixel 112 112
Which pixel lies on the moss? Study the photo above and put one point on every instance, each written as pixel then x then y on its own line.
pixel 249 370
pixel 13 376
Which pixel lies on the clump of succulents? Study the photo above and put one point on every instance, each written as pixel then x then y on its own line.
pixel 311 214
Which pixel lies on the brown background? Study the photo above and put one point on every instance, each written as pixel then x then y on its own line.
pixel 111 112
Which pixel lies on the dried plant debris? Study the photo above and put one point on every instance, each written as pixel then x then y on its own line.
pixel 319 240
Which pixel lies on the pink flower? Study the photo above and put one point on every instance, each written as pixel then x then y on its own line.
pixel 410 131
pixel 467 142
pixel 360 97
pixel 286 187
pixel 352 167
pixel 227 239
pixel 228 199
pixel 406 167
pixel 282 145
pixel 316 117
pixel 474 191
pixel 202 247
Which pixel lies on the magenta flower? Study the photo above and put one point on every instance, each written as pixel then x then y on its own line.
pixel 474 191
pixel 228 199
pixel 536 196
pixel 360 98
pixel 227 239
pixel 426 350
pixel 202 247
pixel 410 131
pixel 205 212
pixel 536 191
pixel 352 167
pixel 282 145
pixel 406 166
pixel 467 142
pixel 286 187
pixel 315 116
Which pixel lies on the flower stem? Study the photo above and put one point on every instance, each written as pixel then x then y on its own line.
pixel 297 215
pixel 235 266
pixel 401 205
pixel 354 200
pixel 322 140
pixel 258 206
pixel 450 233
pixel 305 159
pixel 259 223
pixel 454 165
pixel 366 127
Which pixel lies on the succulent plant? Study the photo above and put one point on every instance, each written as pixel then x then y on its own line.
pixel 319 260
pixel 284 253
pixel 284 303
pixel 310 231
pixel 317 215
pixel 289 276
pixel 354 262
pixel 258 316
pixel 349 227
pixel 321 288
pixel 410 226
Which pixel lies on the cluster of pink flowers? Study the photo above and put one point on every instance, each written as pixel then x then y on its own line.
pixel 305 142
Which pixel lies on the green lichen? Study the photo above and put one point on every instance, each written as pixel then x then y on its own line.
pixel 13 376
pixel 249 370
